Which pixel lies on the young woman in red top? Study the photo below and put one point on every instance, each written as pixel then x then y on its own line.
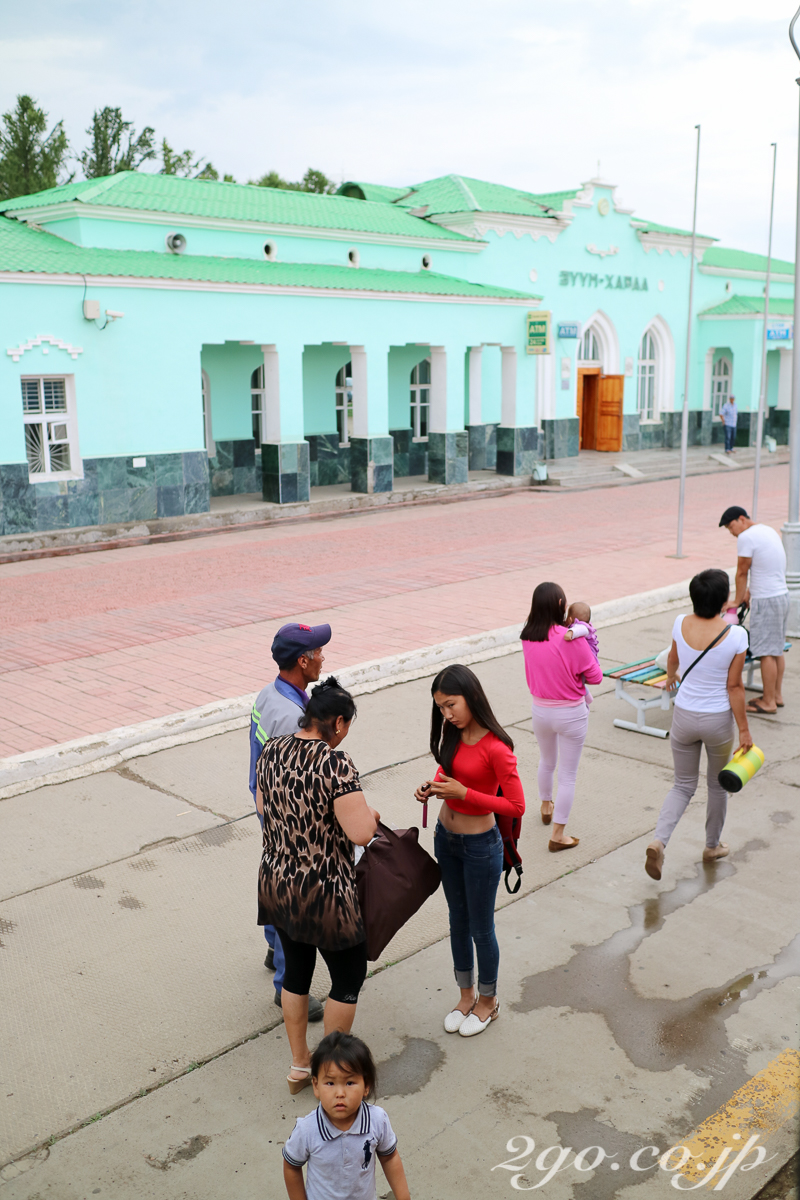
pixel 476 760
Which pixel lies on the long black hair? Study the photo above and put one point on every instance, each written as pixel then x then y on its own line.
pixel 328 701
pixel 445 738
pixel 548 607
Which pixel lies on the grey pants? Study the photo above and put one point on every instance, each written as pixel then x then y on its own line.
pixel 690 731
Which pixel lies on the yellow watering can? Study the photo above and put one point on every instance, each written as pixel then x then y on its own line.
pixel 741 769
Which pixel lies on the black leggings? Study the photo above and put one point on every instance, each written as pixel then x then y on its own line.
pixel 348 968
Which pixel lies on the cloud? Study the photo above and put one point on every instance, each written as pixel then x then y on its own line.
pixel 527 96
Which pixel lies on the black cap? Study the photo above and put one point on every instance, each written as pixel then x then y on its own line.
pixel 732 514
pixel 293 640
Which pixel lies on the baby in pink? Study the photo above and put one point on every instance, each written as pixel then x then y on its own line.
pixel 579 620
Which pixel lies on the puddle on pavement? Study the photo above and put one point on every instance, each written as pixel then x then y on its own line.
pixel 177 1154
pixel 658 1034
pixel 88 881
pixel 6 927
pixel 129 901
pixel 411 1069
pixel 218 835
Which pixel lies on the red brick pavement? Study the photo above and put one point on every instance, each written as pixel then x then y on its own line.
pixel 95 641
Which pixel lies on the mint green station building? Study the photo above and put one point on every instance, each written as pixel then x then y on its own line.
pixel 168 340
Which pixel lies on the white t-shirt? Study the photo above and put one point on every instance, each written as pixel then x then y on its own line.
pixel 768 569
pixel 706 689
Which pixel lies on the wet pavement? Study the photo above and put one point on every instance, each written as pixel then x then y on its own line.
pixel 145 1057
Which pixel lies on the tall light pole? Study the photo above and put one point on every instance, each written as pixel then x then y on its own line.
pixel 762 396
pixel 791 530
pixel 685 414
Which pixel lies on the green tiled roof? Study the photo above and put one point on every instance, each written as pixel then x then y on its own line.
pixel 24 249
pixel 751 306
pixel 372 191
pixel 458 193
pixel 652 227
pixel 742 260
pixel 135 190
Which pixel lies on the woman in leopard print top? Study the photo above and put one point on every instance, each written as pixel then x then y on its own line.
pixel 314 811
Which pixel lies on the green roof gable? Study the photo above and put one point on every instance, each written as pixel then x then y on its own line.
pixel 31 250
pixel 459 193
pixel 653 227
pixel 137 191
pixel 743 260
pixel 751 306
pixel 380 192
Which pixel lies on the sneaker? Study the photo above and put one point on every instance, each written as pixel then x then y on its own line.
pixel 316 1011
pixel 269 961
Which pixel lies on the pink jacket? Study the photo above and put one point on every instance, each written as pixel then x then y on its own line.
pixel 553 669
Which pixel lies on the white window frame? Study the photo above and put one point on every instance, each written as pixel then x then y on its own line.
pixel 647 398
pixel 420 396
pixel 720 395
pixel 344 403
pixel 590 341
pixel 257 390
pixel 47 421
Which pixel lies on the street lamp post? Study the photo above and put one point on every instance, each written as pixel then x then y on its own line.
pixel 791 530
pixel 685 413
pixel 762 396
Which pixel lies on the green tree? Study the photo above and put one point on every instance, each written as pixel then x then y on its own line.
pixel 115 145
pixel 312 181
pixel 185 164
pixel 30 160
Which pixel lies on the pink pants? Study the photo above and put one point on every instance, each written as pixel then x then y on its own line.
pixel 560 733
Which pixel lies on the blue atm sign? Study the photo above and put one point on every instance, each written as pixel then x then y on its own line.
pixel 569 329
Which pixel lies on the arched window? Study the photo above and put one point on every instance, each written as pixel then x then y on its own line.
pixel 720 384
pixel 648 363
pixel 420 399
pixel 588 348
pixel 257 405
pixel 344 403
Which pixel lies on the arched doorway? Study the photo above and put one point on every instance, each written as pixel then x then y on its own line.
pixel 600 389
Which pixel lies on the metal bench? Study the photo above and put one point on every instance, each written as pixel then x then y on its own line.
pixel 642 673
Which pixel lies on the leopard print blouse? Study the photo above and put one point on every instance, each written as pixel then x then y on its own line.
pixel 307 878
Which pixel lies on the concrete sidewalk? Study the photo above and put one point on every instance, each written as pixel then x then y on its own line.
pixel 105 640
pixel 633 1012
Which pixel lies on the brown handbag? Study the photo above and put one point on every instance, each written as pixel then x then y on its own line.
pixel 394 878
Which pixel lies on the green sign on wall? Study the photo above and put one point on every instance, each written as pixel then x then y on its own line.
pixel 538 338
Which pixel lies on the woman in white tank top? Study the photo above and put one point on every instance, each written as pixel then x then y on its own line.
pixel 711 696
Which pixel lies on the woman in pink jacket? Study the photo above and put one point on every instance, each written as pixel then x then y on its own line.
pixel 556 671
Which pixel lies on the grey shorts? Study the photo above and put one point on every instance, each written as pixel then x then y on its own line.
pixel 768 618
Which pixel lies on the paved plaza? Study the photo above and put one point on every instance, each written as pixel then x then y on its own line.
pixel 97 641
pixel 144 1056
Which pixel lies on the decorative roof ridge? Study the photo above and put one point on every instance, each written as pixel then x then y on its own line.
pixel 467 192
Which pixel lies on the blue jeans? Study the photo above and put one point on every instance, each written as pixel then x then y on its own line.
pixel 274 942
pixel 730 434
pixel 471 866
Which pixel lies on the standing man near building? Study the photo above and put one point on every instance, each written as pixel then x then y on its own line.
pixel 760 552
pixel 729 417
pixel 297 649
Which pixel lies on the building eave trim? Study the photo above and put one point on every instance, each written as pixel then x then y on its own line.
pixel 675 243
pixel 257 289
pixel 74 209
pixel 478 224
pixel 740 273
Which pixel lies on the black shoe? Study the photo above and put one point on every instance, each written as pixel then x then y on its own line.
pixel 269 961
pixel 316 1011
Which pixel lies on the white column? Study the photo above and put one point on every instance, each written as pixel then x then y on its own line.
pixel 545 387
pixel 785 378
pixel 358 358
pixel 438 407
pixel 475 361
pixel 508 402
pixel 271 396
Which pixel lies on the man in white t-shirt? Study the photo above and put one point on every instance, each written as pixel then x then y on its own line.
pixel 761 555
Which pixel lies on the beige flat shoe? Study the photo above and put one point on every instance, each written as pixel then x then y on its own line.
pixel 554 847
pixel 297 1085
pixel 654 859
pixel 546 817
pixel 711 853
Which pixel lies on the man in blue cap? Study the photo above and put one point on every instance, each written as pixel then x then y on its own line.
pixel 297 649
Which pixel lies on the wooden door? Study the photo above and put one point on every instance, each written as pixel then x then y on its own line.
pixel 609 412
pixel 587 407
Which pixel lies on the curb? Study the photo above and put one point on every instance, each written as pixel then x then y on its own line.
pixel 101 752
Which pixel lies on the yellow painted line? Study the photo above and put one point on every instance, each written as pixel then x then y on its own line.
pixel 769 1101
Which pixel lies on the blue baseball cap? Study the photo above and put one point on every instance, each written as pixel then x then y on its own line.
pixel 293 640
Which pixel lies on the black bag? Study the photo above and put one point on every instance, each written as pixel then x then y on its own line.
pixel 394 878
pixel 510 828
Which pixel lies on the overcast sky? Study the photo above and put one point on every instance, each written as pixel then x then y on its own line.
pixel 523 94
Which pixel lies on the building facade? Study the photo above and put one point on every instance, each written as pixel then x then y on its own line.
pixel 170 340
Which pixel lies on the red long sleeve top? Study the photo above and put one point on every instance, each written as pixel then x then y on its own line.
pixel 483 768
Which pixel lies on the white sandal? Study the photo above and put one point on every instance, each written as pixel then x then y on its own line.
pixel 297 1085
pixel 455 1019
pixel 474 1025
